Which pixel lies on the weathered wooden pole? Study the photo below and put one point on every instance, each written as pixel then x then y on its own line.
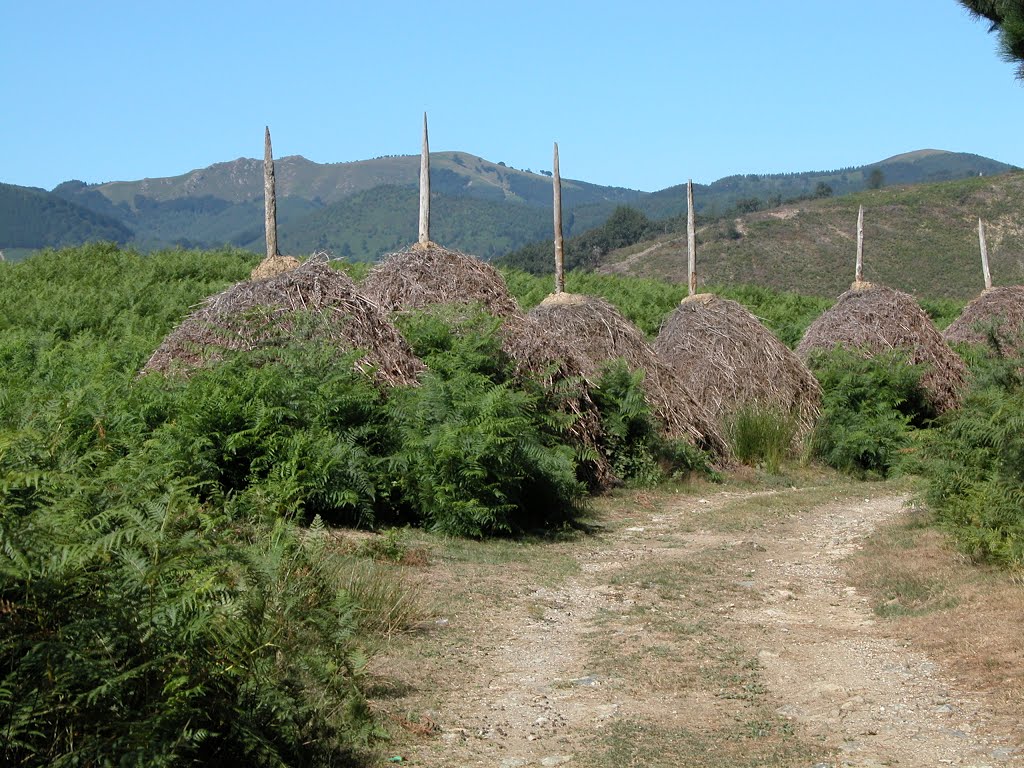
pixel 269 197
pixel 859 274
pixel 984 254
pixel 559 253
pixel 425 187
pixel 691 237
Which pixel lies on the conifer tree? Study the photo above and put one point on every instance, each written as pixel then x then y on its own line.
pixel 1007 17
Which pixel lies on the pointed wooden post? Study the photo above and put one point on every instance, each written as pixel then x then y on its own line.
pixel 559 254
pixel 425 187
pixel 269 197
pixel 691 237
pixel 859 274
pixel 984 254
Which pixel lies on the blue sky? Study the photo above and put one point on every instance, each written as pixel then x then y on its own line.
pixel 640 94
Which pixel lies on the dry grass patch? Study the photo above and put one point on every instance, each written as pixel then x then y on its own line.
pixel 965 615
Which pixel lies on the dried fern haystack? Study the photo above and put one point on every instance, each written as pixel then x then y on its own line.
pixel 728 360
pixel 600 333
pixel 262 313
pixel 427 274
pixel 998 309
pixel 877 319
pixel 273 265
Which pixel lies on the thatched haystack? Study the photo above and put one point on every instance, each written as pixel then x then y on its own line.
pixel 1000 309
pixel 728 359
pixel 427 274
pixel 273 265
pixel 260 313
pixel 599 332
pixel 539 353
pixel 877 319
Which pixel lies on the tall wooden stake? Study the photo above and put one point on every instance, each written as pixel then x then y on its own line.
pixel 691 237
pixel 559 254
pixel 859 274
pixel 425 187
pixel 984 254
pixel 269 197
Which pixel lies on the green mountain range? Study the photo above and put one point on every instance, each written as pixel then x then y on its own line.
pixel 364 209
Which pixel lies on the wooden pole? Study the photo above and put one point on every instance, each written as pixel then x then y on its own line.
pixel 984 254
pixel 425 187
pixel 269 197
pixel 559 253
pixel 859 274
pixel 691 237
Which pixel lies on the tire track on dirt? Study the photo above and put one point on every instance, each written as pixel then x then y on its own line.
pixel 875 700
pixel 631 639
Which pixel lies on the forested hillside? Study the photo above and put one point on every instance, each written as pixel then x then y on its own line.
pixel 366 208
pixel 33 218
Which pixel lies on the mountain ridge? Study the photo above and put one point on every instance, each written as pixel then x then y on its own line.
pixel 492 206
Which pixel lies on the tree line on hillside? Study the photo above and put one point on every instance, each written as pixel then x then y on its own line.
pixel 32 218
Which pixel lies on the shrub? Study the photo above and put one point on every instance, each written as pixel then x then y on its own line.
pixel 869 409
pixel 149 632
pixel 973 465
pixel 296 426
pixel 631 437
pixel 475 458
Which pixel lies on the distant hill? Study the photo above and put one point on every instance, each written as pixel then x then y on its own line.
pixel 34 218
pixel 921 167
pixel 922 239
pixel 349 208
pixel 366 208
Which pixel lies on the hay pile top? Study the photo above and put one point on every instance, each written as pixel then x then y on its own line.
pixel 1001 309
pixel 600 333
pixel 428 274
pixel 273 265
pixel 728 359
pixel 263 313
pixel 877 319
pixel 557 299
pixel 700 298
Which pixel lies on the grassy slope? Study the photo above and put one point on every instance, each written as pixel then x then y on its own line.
pixel 921 239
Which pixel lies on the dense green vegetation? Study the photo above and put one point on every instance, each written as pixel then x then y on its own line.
pixel 161 602
pixel 168 589
pixel 973 462
pixel 870 409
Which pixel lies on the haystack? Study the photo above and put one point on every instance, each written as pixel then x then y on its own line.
pixel 876 319
pixel 540 354
pixel 273 265
pixel 426 274
pixel 1000 310
pixel 728 359
pixel 600 333
pixel 261 313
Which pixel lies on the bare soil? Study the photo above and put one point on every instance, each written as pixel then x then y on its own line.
pixel 716 628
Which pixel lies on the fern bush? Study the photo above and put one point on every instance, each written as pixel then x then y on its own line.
pixel 475 459
pixel 972 463
pixel 140 629
pixel 870 408
pixel 631 436
pixel 296 428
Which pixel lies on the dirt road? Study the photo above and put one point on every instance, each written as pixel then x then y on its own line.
pixel 715 630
